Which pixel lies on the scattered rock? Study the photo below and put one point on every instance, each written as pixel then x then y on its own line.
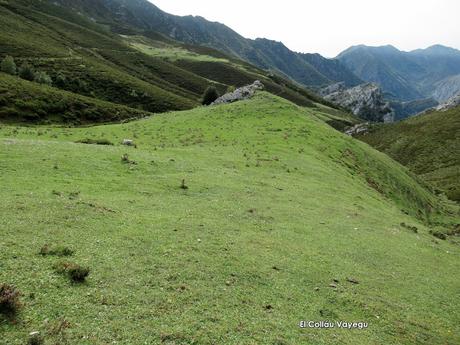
pixel 183 185
pixel 35 339
pixel 125 159
pixel 268 307
pixel 128 142
pixel 240 94
pixel 334 286
pixel 353 281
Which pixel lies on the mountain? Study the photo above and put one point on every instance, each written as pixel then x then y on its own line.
pixel 124 15
pixel 428 144
pixel 332 69
pixel 139 69
pixel 420 75
pixel 407 76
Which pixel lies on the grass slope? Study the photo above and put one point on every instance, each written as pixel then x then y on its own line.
pixel 428 144
pixel 24 101
pixel 278 205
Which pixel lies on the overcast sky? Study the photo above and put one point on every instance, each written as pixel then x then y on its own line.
pixel 330 26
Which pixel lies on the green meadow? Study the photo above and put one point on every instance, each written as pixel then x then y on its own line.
pixel 224 225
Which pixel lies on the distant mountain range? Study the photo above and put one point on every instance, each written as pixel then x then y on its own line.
pixel 410 80
pixel 403 76
pixel 407 76
pixel 307 69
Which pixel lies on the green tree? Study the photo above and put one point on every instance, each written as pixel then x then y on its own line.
pixel 60 79
pixel 43 78
pixel 210 95
pixel 8 65
pixel 26 72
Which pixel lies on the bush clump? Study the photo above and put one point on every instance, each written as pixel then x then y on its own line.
pixel 9 300
pixel 43 78
pixel 61 251
pixel 210 95
pixel 26 72
pixel 439 234
pixel 75 272
pixel 8 65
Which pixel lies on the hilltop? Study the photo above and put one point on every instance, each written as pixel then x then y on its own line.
pixel 227 224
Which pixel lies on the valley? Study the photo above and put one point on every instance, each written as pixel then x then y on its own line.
pixel 165 180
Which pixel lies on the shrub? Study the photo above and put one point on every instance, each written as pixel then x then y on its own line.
pixel 60 80
pixel 230 88
pixel 43 78
pixel 57 251
pixel 26 72
pixel 75 272
pixel 8 65
pixel 210 95
pixel 9 300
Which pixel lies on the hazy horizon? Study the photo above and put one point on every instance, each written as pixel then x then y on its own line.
pixel 332 26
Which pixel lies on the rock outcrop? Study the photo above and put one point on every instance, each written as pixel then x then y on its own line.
pixel 240 94
pixel 365 101
pixel 361 128
pixel 449 104
pixel 447 88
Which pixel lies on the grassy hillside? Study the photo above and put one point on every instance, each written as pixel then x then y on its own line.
pixel 24 101
pixel 274 207
pixel 428 144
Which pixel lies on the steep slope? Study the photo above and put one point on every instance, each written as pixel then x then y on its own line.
pixel 385 66
pixel 447 88
pixel 275 55
pixel 428 144
pixel 440 62
pixel 274 206
pixel 142 70
pixel 406 76
pixel 124 16
pixel 24 101
pixel 332 69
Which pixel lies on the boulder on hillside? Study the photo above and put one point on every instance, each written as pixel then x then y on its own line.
pixel 365 101
pixel 240 94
